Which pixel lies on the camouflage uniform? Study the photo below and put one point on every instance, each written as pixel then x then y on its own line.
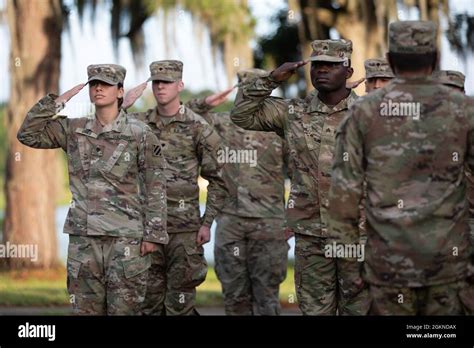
pixel 250 250
pixel 377 67
pixel 323 285
pixel 418 241
pixel 451 78
pixel 374 68
pixel 189 146
pixel 109 216
pixel 456 80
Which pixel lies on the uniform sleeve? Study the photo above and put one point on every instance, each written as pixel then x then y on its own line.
pixel 199 106
pixel 347 179
pixel 207 148
pixel 151 165
pixel 42 129
pixel 255 109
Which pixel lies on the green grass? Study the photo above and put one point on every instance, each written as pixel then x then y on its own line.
pixel 48 289
pixel 33 288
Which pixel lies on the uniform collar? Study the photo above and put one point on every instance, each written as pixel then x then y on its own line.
pixel 154 117
pixel 93 128
pixel 316 105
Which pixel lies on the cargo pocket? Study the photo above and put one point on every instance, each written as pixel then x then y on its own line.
pixel 466 296
pixel 197 266
pixel 73 268
pixel 136 266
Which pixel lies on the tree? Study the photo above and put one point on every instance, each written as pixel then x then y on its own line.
pixel 30 187
pixel 35 35
pixel 365 23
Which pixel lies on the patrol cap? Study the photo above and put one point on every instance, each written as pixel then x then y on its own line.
pixel 450 78
pixel 412 37
pixel 166 70
pixel 331 50
pixel 377 67
pixel 112 74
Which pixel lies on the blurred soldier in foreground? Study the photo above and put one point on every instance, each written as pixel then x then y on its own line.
pixel 325 282
pixel 250 250
pixel 410 141
pixel 113 226
pixel 377 74
pixel 190 147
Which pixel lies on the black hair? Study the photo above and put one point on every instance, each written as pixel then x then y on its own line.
pixel 120 100
pixel 412 61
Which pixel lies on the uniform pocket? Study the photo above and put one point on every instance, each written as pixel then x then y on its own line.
pixel 73 268
pixel 136 266
pixel 196 266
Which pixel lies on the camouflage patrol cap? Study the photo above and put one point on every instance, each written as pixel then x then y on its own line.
pixel 412 37
pixel 166 70
pixel 331 50
pixel 112 74
pixel 246 74
pixel 377 67
pixel 450 78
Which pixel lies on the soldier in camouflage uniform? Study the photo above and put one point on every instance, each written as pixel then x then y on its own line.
pixel 190 147
pixel 377 74
pixel 113 226
pixel 410 141
pixel 456 79
pixel 250 250
pixel 324 285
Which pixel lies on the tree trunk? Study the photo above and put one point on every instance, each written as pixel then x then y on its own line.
pixel 30 184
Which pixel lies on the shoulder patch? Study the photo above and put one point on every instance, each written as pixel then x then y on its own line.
pixel 156 150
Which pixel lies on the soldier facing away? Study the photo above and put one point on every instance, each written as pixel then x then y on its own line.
pixel 250 249
pixel 112 225
pixel 410 141
pixel 324 285
pixel 190 147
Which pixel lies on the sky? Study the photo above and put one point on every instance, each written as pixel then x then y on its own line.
pixel 91 44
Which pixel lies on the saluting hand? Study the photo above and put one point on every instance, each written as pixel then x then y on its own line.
pixel 218 98
pixel 284 71
pixel 132 95
pixel 66 96
pixel 354 84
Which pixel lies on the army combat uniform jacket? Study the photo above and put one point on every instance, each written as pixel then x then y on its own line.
pixel 190 147
pixel 416 207
pixel 309 127
pixel 116 172
pixel 254 171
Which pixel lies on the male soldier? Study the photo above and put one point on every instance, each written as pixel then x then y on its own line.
pixel 190 147
pixel 456 79
pixel 410 141
pixel 451 78
pixel 323 285
pixel 377 74
pixel 113 226
pixel 250 249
